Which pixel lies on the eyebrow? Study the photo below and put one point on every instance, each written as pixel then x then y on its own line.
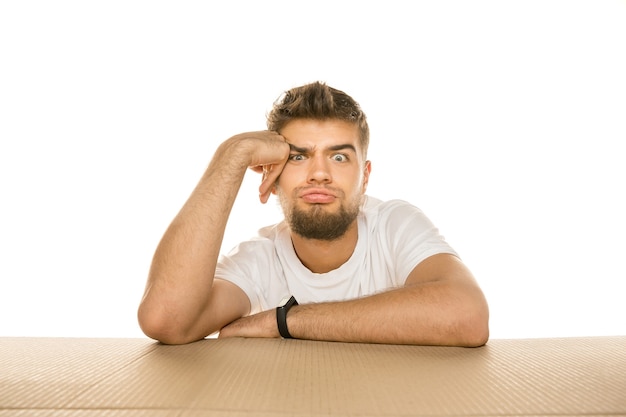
pixel 298 149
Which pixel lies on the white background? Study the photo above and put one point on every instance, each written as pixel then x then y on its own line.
pixel 504 121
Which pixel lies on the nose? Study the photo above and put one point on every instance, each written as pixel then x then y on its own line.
pixel 319 171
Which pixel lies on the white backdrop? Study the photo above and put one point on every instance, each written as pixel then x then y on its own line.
pixel 503 120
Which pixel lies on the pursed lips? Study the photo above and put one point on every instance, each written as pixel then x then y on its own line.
pixel 317 196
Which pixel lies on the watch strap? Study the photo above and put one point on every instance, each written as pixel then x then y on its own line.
pixel 281 317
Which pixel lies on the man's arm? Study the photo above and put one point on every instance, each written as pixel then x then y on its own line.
pixel 182 303
pixel 440 304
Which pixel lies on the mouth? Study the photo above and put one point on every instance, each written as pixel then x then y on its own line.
pixel 317 196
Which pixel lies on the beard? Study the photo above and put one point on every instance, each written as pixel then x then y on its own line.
pixel 319 224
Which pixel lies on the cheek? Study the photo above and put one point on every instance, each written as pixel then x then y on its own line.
pixel 361 181
pixel 289 177
pixel 282 184
pixel 365 175
pixel 364 181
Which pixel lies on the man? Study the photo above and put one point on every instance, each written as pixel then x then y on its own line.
pixel 357 269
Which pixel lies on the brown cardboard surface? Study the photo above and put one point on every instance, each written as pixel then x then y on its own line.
pixel 275 377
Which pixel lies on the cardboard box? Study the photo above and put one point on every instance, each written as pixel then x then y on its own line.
pixel 275 377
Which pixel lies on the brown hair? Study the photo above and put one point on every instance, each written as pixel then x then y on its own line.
pixel 320 102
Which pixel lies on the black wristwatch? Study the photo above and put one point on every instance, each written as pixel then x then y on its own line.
pixel 281 316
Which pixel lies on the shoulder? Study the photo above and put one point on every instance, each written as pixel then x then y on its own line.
pixel 395 218
pixel 260 245
pixel 375 209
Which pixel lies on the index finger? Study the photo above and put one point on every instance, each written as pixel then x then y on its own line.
pixel 270 175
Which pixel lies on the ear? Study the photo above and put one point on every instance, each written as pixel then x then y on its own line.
pixel 366 175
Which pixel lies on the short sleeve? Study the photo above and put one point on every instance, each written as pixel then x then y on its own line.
pixel 411 236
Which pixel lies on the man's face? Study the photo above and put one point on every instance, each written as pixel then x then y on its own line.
pixel 322 184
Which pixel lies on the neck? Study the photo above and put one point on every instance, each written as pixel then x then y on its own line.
pixel 321 256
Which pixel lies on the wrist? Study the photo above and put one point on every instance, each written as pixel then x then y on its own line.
pixel 281 316
pixel 237 151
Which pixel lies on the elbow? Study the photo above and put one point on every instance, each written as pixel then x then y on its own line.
pixel 476 336
pixel 474 328
pixel 161 327
pixel 472 320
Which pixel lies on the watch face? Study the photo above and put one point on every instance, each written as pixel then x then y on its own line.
pixel 284 301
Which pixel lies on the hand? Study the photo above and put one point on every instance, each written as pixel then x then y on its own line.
pixel 258 325
pixel 270 172
pixel 269 153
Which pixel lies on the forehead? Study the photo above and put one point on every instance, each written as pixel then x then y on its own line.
pixel 321 133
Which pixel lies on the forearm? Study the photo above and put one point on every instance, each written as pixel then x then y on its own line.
pixel 181 302
pixel 436 313
pixel 183 266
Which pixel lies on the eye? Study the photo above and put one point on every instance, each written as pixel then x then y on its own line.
pixel 339 157
pixel 296 157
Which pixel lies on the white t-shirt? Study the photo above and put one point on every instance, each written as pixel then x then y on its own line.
pixel 394 237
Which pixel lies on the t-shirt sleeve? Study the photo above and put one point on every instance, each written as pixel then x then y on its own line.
pixel 412 237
